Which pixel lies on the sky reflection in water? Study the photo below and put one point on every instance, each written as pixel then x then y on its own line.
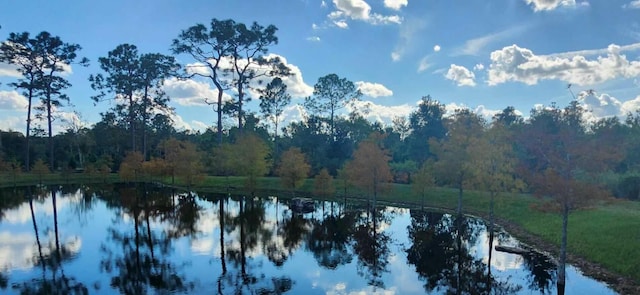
pixel 131 240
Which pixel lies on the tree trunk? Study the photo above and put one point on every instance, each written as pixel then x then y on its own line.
pixel 240 98
pixel 459 211
pixel 243 259
pixel 55 222
pixel 332 126
pixel 136 214
pixel 563 249
pixel 35 230
pixel 145 117
pixel 491 213
pixel 146 215
pixel 219 110
pixel 275 139
pixel 222 253
pixel 489 279
pixel 375 187
pixel 27 161
pixel 459 252
pixel 132 122
pixel 50 143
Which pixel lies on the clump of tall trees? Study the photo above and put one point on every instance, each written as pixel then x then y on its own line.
pixel 42 60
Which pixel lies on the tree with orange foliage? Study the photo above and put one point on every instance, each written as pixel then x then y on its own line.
pixel 561 158
pixel 131 166
pixel 496 163
pixel 369 169
pixel 323 184
pixel 156 167
pixel 455 161
pixel 293 168
pixel 182 159
pixel 250 155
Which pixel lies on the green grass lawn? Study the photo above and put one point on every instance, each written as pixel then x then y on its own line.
pixel 607 234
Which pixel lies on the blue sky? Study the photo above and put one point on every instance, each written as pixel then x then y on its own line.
pixel 485 55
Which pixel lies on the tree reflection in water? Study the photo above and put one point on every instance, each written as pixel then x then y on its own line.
pixel 257 246
pixel 542 274
pixel 329 238
pixel 440 251
pixel 371 246
pixel 250 225
pixel 52 256
pixel 134 263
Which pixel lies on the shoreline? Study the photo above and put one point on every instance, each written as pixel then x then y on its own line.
pixel 619 283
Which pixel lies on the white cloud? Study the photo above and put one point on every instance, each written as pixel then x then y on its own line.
pixel 632 5
pixel 16 250
pixel 355 9
pixel 198 68
pixel 593 52
pixel 15 119
pixel 341 24
pixel 295 83
pixel 599 106
pixel 380 113
pixel 480 110
pixel 630 106
pixel 513 63
pixel 12 100
pixel 313 39
pixel 603 105
pixel 66 69
pixel 9 71
pixel 199 125
pixel 461 75
pixel 407 34
pixel 395 4
pixel 191 92
pixel 14 123
pixel 476 45
pixel 323 4
pixel 488 114
pixel 314 26
pixel 378 19
pixel 478 67
pixel 293 113
pixel 359 10
pixel 179 123
pixel 540 5
pixel 373 89
pixel 436 48
pixel 424 64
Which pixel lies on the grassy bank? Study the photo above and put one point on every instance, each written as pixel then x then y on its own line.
pixel 607 234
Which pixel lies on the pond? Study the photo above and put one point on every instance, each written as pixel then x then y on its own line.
pixel 139 239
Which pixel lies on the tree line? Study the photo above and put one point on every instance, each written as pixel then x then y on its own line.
pixel 234 58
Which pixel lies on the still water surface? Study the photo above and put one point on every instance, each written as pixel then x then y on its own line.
pixel 146 240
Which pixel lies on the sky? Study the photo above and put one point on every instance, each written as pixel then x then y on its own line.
pixel 483 55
